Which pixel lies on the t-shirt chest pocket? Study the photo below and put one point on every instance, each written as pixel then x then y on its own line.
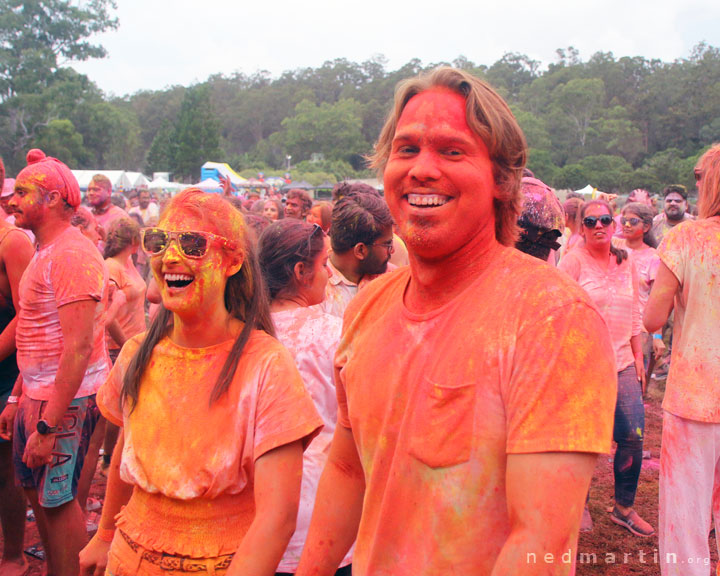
pixel 441 426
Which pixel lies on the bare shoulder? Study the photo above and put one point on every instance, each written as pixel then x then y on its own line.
pixel 15 244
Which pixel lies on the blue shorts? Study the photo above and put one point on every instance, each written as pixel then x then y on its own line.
pixel 56 483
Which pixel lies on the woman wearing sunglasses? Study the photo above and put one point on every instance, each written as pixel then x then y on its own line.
pixel 688 280
pixel 610 279
pixel 214 413
pixel 637 239
pixel 294 262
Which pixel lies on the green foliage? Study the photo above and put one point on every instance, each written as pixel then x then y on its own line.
pixel 36 38
pixel 614 123
pixel 59 139
pixel 197 133
pixel 541 164
pixel 333 170
pixel 333 130
pixel 607 173
pixel 570 176
pixel 161 156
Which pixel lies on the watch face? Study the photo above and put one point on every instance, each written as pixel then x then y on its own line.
pixel 44 428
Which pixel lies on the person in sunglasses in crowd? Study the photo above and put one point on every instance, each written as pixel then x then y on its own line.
pixel 361 238
pixel 611 281
pixel 638 241
pixel 214 412
pixel 687 281
pixel 294 262
pixel 61 355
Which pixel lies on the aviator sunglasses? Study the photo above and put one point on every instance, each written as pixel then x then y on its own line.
pixel 192 244
pixel 591 221
pixel 632 221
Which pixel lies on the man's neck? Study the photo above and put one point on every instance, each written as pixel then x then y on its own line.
pixel 435 283
pixel 49 231
pixel 100 210
pixel 673 221
pixel 344 264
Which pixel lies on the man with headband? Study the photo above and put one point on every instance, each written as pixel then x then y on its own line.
pixel 61 356
pixel 474 386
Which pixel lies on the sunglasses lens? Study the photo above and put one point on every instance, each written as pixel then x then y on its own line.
pixel 192 244
pixel 155 241
pixel 591 221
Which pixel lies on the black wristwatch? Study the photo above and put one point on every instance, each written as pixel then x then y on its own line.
pixel 44 428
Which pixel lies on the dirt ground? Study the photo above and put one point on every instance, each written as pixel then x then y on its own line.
pixel 608 550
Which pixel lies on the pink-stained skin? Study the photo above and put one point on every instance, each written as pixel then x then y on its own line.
pixel 313 216
pixel 599 238
pixel 26 204
pixel 293 208
pixel 270 211
pixel 98 195
pixel 198 308
pixel 435 152
pixel 634 234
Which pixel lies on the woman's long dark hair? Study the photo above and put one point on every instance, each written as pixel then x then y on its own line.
pixel 619 253
pixel 245 297
pixel 282 245
pixel 645 214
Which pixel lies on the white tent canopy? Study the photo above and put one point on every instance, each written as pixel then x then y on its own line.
pixel 138 179
pixel 209 185
pixel 118 178
pixel 587 190
pixel 163 184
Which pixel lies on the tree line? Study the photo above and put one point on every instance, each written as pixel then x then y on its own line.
pixel 616 123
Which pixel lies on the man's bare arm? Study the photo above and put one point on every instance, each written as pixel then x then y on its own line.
pixel 545 498
pixel 17 251
pixel 662 299
pixel 338 507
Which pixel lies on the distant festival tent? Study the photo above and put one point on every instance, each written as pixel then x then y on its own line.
pixel 587 190
pixel 162 184
pixel 119 178
pixel 302 185
pixel 209 185
pixel 138 179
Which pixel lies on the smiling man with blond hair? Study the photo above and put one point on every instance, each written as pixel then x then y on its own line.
pixel 466 405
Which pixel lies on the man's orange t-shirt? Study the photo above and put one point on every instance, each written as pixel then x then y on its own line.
pixel 520 362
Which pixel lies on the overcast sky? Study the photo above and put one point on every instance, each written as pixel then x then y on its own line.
pixel 160 43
